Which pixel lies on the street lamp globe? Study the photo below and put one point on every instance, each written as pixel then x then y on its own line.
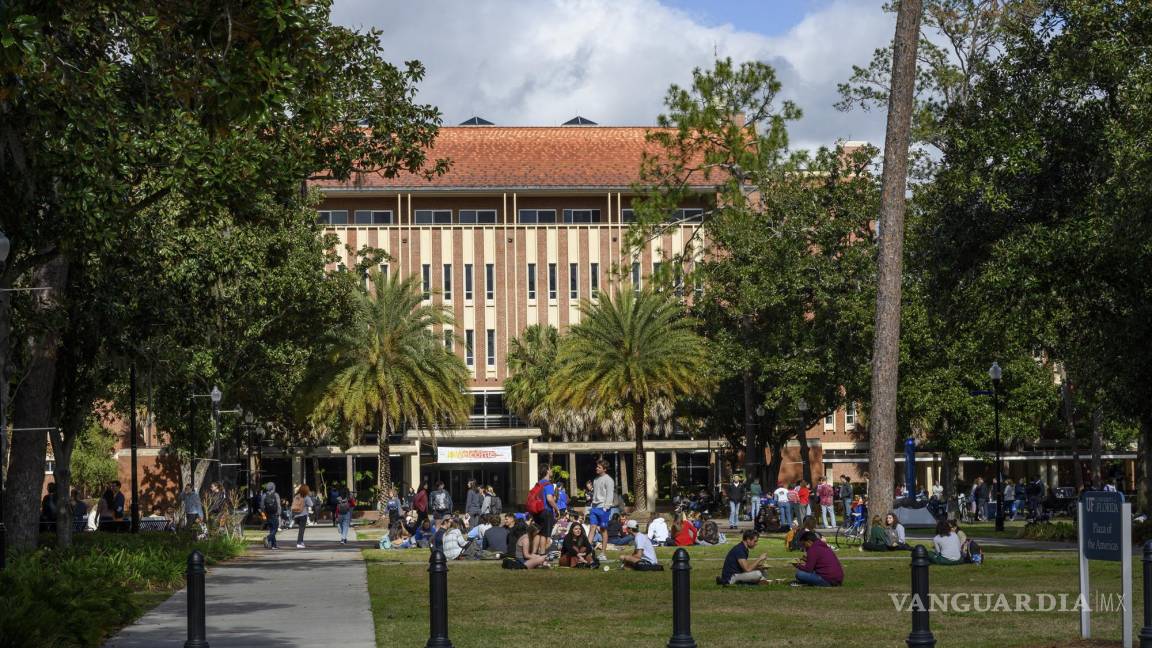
pixel 995 373
pixel 216 395
pixel 248 418
pixel 759 410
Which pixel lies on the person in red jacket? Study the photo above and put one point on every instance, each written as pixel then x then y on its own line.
pixel 821 567
pixel 684 532
pixel 420 503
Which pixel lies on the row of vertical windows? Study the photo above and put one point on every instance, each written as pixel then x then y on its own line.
pixel 426 276
pixel 490 280
pixel 470 345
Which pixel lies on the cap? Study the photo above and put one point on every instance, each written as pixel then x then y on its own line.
pixel 632 524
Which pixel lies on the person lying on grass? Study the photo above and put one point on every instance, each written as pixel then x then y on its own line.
pixel 645 554
pixel 738 567
pixel 821 567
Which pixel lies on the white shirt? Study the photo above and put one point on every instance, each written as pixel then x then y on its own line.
pixel 658 530
pixel 645 545
pixel 948 546
pixel 781 495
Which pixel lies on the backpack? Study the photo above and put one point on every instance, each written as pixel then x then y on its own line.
pixel 269 504
pixel 535 503
pixel 440 501
pixel 496 507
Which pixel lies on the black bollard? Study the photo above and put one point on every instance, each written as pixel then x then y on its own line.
pixel 681 602
pixel 438 601
pixel 921 636
pixel 195 576
pixel 1146 631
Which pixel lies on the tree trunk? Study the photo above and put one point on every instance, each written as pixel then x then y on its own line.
pixel 63 476
pixel 623 469
pixel 675 470
pixel 1144 464
pixel 1097 448
pixel 805 457
pixel 750 443
pixel 882 426
pixel 640 461
pixel 384 469
pixel 774 465
pixel 948 478
pixel 1077 468
pixel 32 408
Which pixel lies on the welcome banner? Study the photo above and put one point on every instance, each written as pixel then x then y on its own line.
pixel 491 454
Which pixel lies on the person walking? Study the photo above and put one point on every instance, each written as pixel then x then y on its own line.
pixel 270 506
pixel 824 495
pixel 344 506
pixel 440 502
pixel 302 504
pixel 474 503
pixel 735 493
pixel 757 492
pixel 193 507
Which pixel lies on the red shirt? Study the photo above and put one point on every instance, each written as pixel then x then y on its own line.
pixel 803 494
pixel 686 536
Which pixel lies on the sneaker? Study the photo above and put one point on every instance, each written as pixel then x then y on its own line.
pixel 343 541
pixel 601 556
pixel 299 545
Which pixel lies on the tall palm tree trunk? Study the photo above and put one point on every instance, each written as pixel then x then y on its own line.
pixel 384 470
pixel 882 426
pixel 640 462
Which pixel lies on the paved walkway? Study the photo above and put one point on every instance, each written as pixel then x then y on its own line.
pixel 273 599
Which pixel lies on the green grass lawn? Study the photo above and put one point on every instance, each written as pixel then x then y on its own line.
pixel 490 606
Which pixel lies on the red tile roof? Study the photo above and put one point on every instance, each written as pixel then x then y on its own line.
pixel 494 157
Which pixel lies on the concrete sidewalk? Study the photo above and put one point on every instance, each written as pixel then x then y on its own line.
pixel 273 599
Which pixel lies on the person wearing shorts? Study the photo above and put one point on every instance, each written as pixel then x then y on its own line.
pixel 603 496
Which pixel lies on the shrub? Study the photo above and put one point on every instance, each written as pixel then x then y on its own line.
pixel 1054 531
pixel 77 596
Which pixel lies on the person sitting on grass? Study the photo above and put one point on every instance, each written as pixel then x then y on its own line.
pixel 738 567
pixel 946 544
pixel 616 535
pixel 645 554
pixel 454 540
pixel 809 524
pixel 577 550
pixel 970 551
pixel 877 537
pixel 658 531
pixel 821 567
pixel 897 539
pixel 684 532
pixel 532 548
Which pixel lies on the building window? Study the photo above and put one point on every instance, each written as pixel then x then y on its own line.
pixel 533 216
pixel 655 269
pixel 491 347
pixel 850 416
pixel 467 282
pixel 469 344
pixel 373 217
pixel 636 276
pixel 581 216
pixel 433 216
pixel 594 279
pixel 830 421
pixel 531 281
pixel 332 217
pixel 489 281
pixel 551 281
pixel 449 340
pixel 384 272
pixel 447 282
pixel 687 215
pixel 627 216
pixel 573 280
pixel 478 216
pixel 426 275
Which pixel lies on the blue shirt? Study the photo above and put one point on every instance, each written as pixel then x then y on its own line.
pixel 562 500
pixel 549 489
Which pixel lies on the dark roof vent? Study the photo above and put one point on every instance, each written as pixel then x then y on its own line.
pixel 476 121
pixel 579 121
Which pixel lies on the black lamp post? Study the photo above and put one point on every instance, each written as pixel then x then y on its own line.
pixel 802 437
pixel 216 397
pixel 5 246
pixel 995 373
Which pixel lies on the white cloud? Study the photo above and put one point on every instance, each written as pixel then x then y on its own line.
pixel 537 62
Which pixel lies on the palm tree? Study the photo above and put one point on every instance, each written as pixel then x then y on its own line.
pixel 390 369
pixel 629 352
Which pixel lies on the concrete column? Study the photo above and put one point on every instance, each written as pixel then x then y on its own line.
pixel 529 479
pixel 573 478
pixel 349 472
pixel 929 477
pixel 412 468
pixel 297 470
pixel 650 476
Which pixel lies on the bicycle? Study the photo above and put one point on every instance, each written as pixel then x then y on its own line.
pixel 851 533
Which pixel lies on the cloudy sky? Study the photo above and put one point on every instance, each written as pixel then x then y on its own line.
pixel 540 62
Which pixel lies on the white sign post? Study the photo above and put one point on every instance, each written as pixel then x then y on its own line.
pixel 1105 533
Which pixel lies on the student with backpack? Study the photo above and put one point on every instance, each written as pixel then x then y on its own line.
pixel 302 504
pixel 270 507
pixel 344 506
pixel 440 502
pixel 542 502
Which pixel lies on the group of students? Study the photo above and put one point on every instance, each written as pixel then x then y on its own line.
pixel 790 502
pixel 109 508
pixel 272 512
pixel 818 567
